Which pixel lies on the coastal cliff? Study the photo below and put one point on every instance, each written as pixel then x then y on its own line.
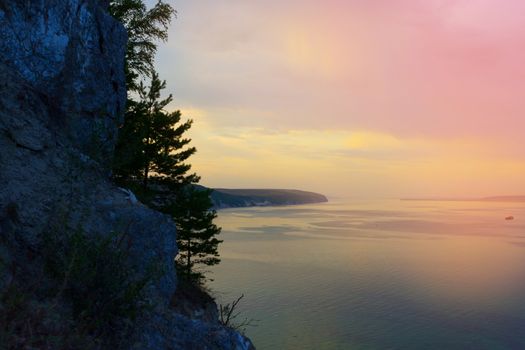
pixel 236 198
pixel 62 98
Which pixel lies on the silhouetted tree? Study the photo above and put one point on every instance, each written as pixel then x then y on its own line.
pixel 196 232
pixel 151 151
pixel 151 143
pixel 145 27
pixel 150 158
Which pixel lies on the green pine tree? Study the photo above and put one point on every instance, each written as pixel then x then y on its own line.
pixel 151 145
pixel 150 158
pixel 151 151
pixel 145 27
pixel 196 232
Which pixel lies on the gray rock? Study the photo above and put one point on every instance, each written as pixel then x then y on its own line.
pixel 175 331
pixel 55 186
pixel 62 96
pixel 72 52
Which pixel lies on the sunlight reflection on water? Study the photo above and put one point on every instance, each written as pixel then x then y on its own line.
pixel 379 274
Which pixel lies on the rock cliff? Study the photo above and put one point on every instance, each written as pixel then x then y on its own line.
pixel 238 198
pixel 62 97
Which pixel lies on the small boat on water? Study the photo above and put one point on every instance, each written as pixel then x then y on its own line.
pixel 508 218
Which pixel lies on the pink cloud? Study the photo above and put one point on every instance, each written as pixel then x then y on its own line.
pixel 426 67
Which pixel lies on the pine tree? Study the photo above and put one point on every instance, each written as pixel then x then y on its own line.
pixel 151 151
pixel 150 158
pixel 151 145
pixel 144 27
pixel 196 232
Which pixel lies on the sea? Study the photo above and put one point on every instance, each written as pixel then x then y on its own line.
pixel 376 274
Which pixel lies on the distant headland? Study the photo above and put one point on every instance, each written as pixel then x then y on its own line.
pixel 235 198
pixel 481 199
pixel 504 199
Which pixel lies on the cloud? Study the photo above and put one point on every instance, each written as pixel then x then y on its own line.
pixel 353 162
pixel 406 67
pixel 392 95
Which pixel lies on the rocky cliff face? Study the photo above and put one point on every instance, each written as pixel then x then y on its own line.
pixel 72 53
pixel 62 97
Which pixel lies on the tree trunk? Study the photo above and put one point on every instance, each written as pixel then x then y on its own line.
pixel 145 180
pixel 188 263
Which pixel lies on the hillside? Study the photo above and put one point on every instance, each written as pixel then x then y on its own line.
pixel 504 199
pixel 483 199
pixel 232 198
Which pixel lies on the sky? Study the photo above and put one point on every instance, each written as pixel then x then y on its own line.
pixel 360 98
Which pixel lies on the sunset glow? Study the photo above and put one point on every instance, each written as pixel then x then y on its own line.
pixel 362 98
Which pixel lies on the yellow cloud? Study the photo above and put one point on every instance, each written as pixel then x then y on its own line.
pixel 310 51
pixel 371 141
pixel 361 162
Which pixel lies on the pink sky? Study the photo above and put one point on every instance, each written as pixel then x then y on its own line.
pixel 393 98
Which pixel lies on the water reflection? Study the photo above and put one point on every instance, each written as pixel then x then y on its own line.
pixel 430 275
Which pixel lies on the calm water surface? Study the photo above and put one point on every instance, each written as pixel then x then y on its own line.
pixel 377 274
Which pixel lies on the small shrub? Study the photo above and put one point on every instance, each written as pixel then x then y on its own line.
pixel 94 276
pixel 229 316
pixel 28 322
